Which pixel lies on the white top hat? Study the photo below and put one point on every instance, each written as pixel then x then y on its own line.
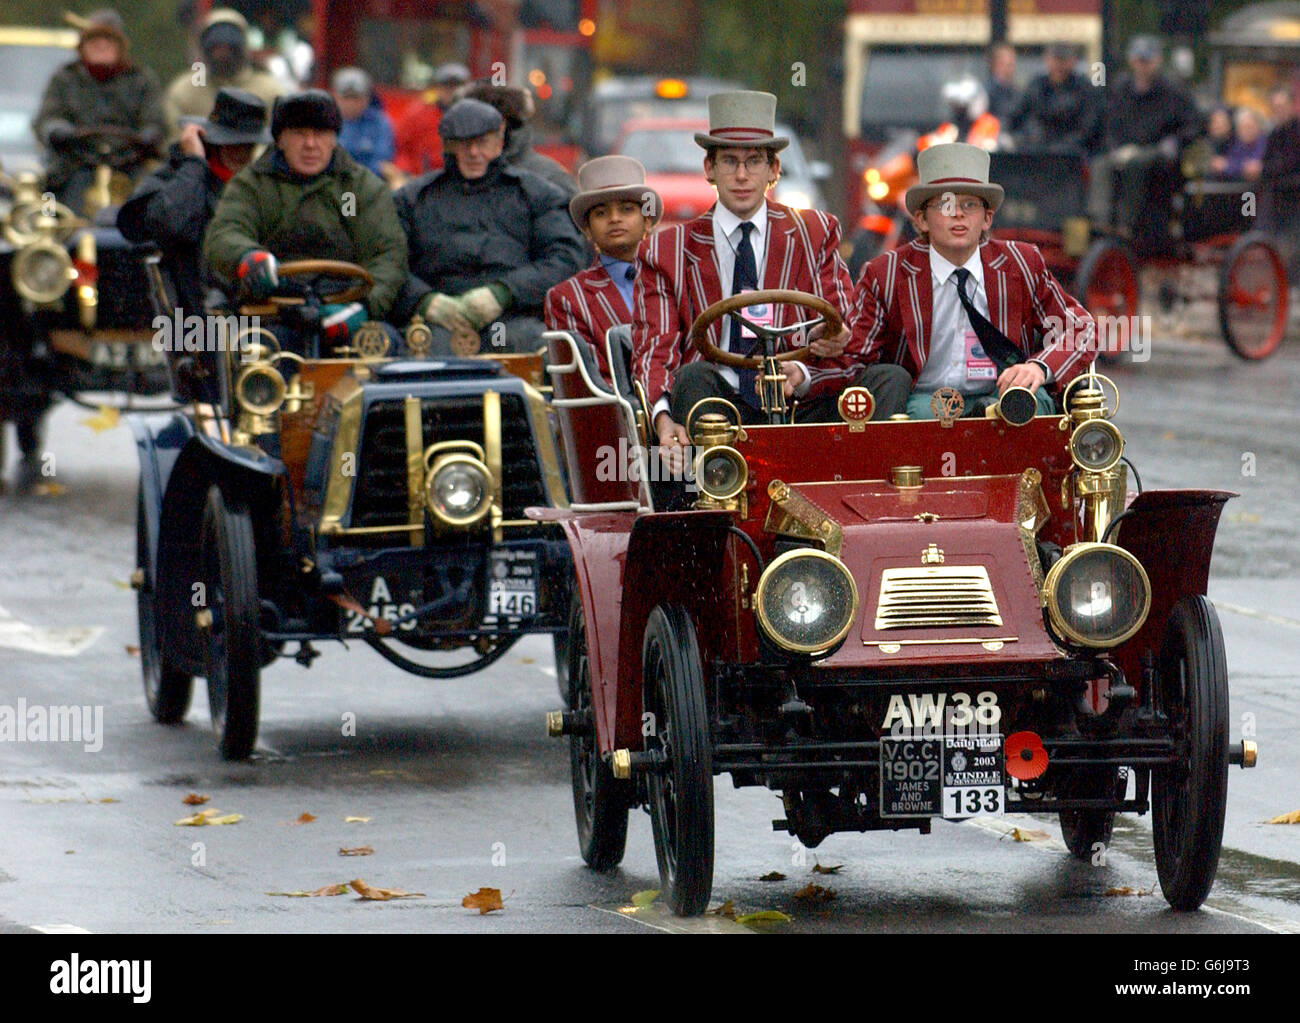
pixel 746 119
pixel 954 167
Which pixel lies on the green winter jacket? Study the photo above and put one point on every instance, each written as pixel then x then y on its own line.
pixel 344 212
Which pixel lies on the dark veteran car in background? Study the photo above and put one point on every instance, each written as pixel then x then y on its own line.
pixel 889 623
pixel 74 311
pixel 342 495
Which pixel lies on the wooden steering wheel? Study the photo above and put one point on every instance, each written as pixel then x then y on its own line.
pixel 712 353
pixel 329 268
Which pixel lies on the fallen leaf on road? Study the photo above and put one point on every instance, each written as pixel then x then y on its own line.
pixel 105 419
pixel 204 817
pixel 132 650
pixel 1287 818
pixel 49 490
pixel 110 799
pixel 776 875
pixel 1167 435
pixel 360 850
pixel 819 869
pixel 815 893
pixel 726 909
pixel 194 799
pixel 329 889
pixel 1028 834
pixel 1126 890
pixel 356 820
pixel 526 660
pixel 644 898
pixel 373 894
pixel 767 916
pixel 305 818
pixel 485 900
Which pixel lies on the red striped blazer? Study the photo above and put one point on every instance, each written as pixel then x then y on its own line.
pixel 679 278
pixel 893 303
pixel 587 305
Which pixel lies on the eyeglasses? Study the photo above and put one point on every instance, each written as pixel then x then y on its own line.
pixel 967 207
pixel 753 164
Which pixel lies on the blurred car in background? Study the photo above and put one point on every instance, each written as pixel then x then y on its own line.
pixel 28 57
pixel 675 167
pixel 616 101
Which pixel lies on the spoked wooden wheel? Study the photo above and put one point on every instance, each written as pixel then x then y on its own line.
pixel 1189 797
pixel 1107 285
pixel 167 690
pixel 600 801
pixel 233 634
pixel 681 790
pixel 1253 297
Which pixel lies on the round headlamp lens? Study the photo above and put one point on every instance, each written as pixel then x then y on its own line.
pixel 721 472
pixel 1096 445
pixel 459 492
pixel 1098 595
pixel 806 602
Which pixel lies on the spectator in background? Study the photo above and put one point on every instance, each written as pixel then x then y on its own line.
pixel 366 134
pixel 1003 93
pixel 1149 120
pixel 223 47
pixel 1218 131
pixel 1060 111
pixel 517 107
pixel 1245 155
pixel 419 146
pixel 1279 176
pixel 102 89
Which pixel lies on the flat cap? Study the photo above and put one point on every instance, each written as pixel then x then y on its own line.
pixel 469 118
pixel 450 74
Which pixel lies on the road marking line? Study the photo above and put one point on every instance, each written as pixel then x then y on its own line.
pixel 60 929
pixel 1282 926
pixel 546 671
pixel 1003 828
pixel 55 642
pixel 1250 612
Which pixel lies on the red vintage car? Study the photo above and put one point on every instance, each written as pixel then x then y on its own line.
pixel 887 623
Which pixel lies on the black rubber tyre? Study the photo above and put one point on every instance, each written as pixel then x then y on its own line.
pixel 1189 798
pixel 681 794
pixel 234 644
pixel 1106 282
pixel 562 647
pixel 600 801
pixel 1253 296
pixel 1082 830
pixel 167 690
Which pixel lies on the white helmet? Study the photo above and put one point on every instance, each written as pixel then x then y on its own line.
pixel 966 95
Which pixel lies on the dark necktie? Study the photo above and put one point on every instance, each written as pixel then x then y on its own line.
pixel 997 346
pixel 745 277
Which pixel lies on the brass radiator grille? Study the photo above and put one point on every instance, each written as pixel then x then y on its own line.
pixel 927 598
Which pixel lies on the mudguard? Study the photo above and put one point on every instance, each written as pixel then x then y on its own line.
pixel 1171 532
pixel 158 444
pixel 244 475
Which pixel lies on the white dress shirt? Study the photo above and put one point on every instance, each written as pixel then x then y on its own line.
pixel 945 364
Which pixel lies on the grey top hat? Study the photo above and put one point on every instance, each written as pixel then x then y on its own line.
pixel 612 179
pixel 955 167
pixel 238 118
pixel 744 119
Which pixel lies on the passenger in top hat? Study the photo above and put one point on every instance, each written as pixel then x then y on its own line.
pixel 306 198
pixel 486 240
pixel 615 209
pixel 102 88
pixel 173 207
pixel 745 242
pixel 955 309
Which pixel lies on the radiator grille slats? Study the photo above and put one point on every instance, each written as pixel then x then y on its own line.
pixel 927 598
